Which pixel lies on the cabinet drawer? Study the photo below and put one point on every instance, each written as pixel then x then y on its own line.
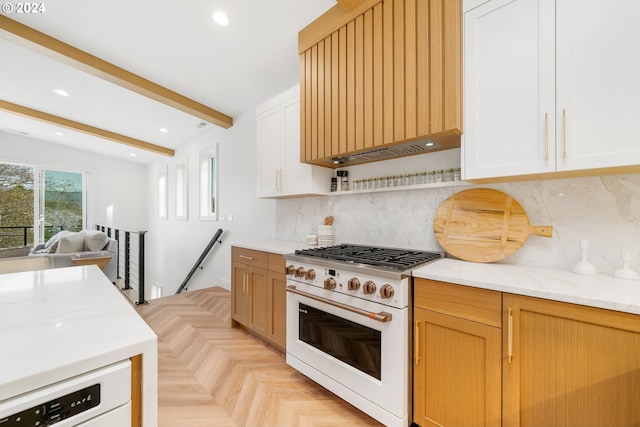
pixel 250 257
pixel 478 305
pixel 276 263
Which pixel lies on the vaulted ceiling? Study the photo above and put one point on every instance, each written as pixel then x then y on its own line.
pixel 176 47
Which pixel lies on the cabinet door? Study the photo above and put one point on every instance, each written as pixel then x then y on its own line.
pixel 570 365
pixel 295 174
pixel 278 306
pixel 597 83
pixel 456 372
pixel 259 291
pixel 509 89
pixel 240 298
pixel 269 159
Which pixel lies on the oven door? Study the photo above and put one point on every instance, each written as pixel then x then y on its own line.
pixel 359 358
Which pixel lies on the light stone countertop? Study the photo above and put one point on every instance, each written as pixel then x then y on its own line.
pixel 596 291
pixel 58 323
pixel 281 247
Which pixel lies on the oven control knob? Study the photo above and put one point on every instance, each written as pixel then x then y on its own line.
pixel 291 269
pixel 353 284
pixel 330 283
pixel 300 272
pixel 386 291
pixel 369 287
pixel 311 274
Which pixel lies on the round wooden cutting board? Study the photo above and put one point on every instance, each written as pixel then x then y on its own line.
pixel 483 225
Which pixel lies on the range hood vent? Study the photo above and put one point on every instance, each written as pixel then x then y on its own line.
pixel 383 153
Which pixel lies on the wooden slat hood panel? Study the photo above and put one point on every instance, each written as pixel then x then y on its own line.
pixel 386 73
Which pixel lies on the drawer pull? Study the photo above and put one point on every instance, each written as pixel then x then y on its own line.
pixel 416 342
pixel 510 336
pixel 246 257
pixel 564 132
pixel 546 134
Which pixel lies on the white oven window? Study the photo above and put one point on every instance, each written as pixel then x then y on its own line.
pixel 356 345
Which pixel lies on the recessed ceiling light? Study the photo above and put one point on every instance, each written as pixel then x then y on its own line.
pixel 61 92
pixel 220 18
pixel 133 154
pixel 163 130
pixel 430 144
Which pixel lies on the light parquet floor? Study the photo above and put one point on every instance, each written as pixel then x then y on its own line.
pixel 211 374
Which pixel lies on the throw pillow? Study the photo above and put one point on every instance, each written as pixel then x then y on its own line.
pixel 73 242
pixel 55 240
pixel 95 240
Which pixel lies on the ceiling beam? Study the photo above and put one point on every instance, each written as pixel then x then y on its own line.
pixel 81 127
pixel 63 52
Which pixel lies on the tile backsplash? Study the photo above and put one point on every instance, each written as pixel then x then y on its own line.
pixel 603 210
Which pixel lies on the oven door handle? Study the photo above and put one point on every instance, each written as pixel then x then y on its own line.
pixel 382 316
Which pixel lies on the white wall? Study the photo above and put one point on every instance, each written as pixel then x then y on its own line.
pixel 174 245
pixel 107 178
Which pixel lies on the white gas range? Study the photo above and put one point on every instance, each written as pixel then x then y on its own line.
pixel 348 324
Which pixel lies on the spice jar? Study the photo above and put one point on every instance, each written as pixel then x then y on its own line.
pixel 423 178
pixel 431 177
pixel 448 175
pixel 439 177
pixel 457 175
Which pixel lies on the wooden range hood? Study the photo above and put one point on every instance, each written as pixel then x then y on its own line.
pixel 379 80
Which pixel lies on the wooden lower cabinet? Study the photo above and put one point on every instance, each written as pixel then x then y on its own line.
pixel 570 366
pixel 539 363
pixel 250 293
pixel 258 295
pixel 457 356
pixel 277 301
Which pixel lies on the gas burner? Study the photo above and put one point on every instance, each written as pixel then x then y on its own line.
pixel 397 259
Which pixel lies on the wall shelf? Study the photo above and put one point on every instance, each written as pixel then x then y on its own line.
pixel 402 188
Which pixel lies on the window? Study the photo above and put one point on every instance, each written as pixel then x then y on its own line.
pixel 162 192
pixel 182 190
pixel 208 184
pixel 62 202
pixel 37 203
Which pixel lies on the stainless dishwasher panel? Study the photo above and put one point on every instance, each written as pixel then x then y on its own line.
pixel 73 401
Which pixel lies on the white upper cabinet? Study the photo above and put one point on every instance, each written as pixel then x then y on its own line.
pixel 598 83
pixel 550 86
pixel 280 172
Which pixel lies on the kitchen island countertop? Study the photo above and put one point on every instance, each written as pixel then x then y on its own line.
pixel 59 323
pixel 599 290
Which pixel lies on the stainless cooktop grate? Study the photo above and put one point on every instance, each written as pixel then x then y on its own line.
pixel 399 259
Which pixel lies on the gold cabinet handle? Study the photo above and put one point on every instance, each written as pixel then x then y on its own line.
pixel 416 343
pixel 564 131
pixel 510 336
pixel 546 134
pixel 245 257
pixel 281 172
pixel 244 282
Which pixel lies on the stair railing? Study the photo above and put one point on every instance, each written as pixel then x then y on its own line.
pixel 198 263
pixel 133 260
